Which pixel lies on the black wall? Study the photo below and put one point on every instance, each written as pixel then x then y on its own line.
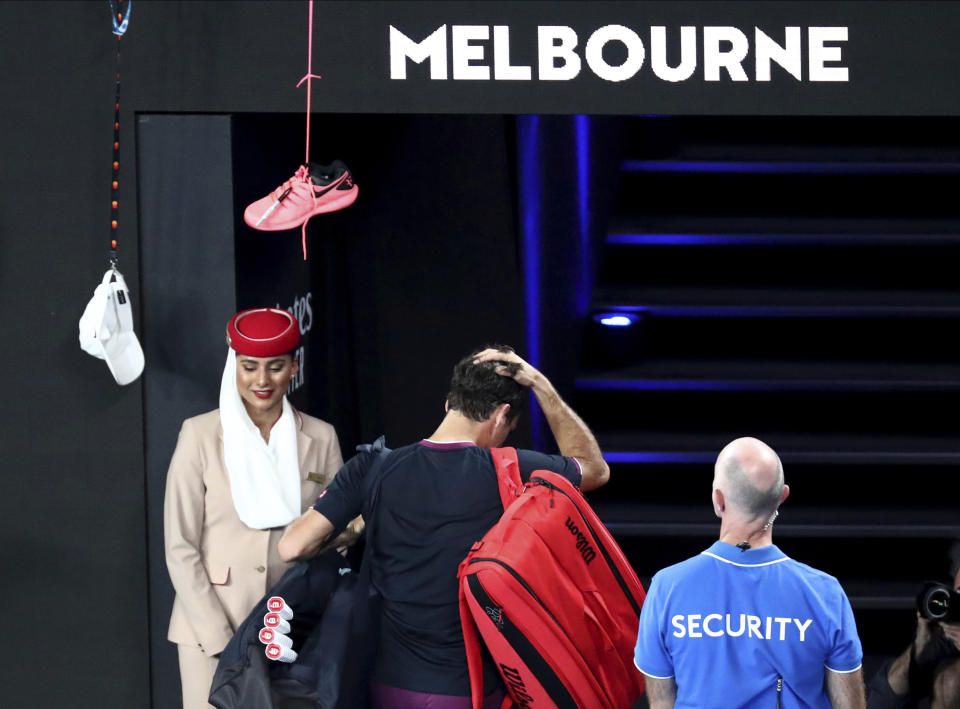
pixel 73 516
pixel 188 285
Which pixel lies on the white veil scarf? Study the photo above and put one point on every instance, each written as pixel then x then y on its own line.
pixel 264 477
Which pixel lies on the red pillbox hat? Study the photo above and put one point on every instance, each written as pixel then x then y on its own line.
pixel 263 332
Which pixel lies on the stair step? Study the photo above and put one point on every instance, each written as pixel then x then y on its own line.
pixel 859 412
pixel 794 167
pixel 811 239
pixel 784 196
pixel 860 523
pixel 646 448
pixel 882 593
pixel 867 261
pixel 801 227
pixel 908 479
pixel 855 552
pixel 775 303
pixel 785 138
pixel 824 335
pixel 767 375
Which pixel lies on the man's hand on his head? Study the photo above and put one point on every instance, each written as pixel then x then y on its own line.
pixel 522 371
pixel 573 436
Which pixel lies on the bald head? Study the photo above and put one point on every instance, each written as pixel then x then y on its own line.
pixel 749 474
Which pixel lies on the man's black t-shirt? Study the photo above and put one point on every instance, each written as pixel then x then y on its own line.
pixel 436 500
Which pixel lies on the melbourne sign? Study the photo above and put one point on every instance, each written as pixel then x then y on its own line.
pixel 482 53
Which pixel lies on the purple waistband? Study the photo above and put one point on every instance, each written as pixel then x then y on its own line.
pixel 384 697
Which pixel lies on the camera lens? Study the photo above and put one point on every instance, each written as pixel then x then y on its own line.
pixel 935 602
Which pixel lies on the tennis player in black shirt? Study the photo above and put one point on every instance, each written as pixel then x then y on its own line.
pixel 437 498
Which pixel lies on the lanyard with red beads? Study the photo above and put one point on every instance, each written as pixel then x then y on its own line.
pixel 120 13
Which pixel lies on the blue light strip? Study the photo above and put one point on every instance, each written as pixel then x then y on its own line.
pixel 791 168
pixel 658 457
pixel 677 385
pixel 788 311
pixel 530 188
pixel 528 152
pixel 582 128
pixel 840 457
pixel 719 239
pixel 685 239
pixel 821 239
pixel 770 385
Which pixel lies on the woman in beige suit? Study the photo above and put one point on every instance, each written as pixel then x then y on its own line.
pixel 239 474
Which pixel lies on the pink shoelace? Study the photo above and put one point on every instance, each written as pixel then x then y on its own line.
pixel 301 179
pixel 309 77
pixel 302 175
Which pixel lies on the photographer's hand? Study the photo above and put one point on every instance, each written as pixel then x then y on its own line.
pixel 898 676
pixel 925 630
pixel 923 640
pixel 951 631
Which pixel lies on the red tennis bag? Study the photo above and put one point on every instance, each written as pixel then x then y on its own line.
pixel 553 597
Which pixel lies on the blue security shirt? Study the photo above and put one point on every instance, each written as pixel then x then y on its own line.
pixel 726 624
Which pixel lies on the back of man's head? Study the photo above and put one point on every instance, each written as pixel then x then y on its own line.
pixel 476 390
pixel 750 475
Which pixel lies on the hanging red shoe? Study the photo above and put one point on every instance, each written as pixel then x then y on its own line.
pixel 313 189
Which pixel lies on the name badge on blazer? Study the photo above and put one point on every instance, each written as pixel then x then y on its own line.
pixel 318 478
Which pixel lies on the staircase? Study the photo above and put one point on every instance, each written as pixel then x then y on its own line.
pixel 797 280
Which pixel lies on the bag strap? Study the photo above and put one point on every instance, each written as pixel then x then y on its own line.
pixel 471 641
pixel 508 474
pixel 510 485
pixel 373 480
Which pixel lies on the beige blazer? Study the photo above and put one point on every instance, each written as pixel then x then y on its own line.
pixel 221 568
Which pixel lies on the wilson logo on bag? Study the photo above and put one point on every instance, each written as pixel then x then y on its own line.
pixel 583 546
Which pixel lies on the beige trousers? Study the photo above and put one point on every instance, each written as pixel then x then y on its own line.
pixel 196 676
